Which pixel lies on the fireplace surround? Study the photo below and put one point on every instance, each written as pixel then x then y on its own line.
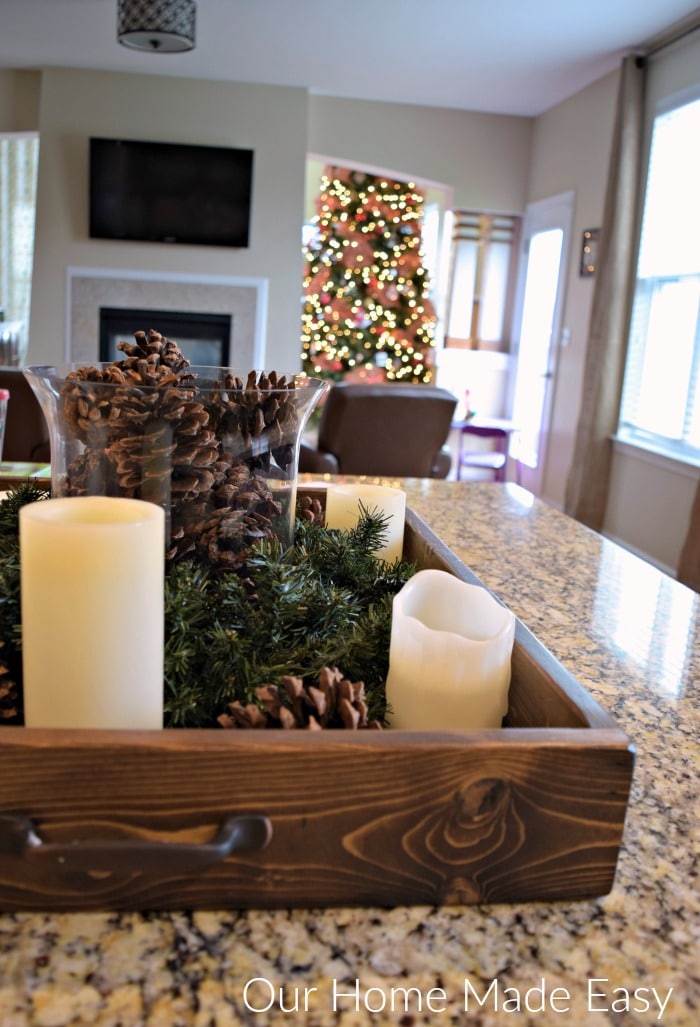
pixel 243 300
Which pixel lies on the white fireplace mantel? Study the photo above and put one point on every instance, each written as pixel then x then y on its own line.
pixel 89 288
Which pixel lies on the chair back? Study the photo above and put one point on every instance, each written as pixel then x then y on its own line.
pixel 26 430
pixel 387 429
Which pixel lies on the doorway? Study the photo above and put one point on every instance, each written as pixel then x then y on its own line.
pixel 537 330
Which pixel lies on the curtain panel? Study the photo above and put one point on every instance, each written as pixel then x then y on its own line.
pixel 589 477
pixel 689 563
pixel 18 173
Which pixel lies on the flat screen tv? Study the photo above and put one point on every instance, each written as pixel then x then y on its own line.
pixel 144 191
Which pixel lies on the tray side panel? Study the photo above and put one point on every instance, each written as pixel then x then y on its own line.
pixel 407 823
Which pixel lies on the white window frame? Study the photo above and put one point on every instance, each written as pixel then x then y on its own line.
pixel 678 449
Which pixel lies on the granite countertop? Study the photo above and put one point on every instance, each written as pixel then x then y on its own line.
pixel 630 635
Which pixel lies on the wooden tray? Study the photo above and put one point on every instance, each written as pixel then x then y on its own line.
pixel 233 819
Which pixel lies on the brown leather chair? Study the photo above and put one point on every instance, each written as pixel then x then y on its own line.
pixel 26 431
pixel 394 430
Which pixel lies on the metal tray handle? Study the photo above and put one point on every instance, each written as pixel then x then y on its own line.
pixel 244 833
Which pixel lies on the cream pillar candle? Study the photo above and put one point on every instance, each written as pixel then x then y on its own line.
pixel 343 511
pixel 449 655
pixel 92 587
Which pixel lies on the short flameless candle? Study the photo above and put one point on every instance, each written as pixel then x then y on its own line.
pixel 449 656
pixel 343 511
pixel 92 586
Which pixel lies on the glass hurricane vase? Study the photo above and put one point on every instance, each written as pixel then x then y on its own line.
pixel 218 450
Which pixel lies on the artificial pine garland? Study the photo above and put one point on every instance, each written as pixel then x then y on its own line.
pixel 326 602
pixel 10 617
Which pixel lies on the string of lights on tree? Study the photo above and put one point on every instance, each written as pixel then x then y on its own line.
pixel 365 286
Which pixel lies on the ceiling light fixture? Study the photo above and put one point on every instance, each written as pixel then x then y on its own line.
pixel 156 26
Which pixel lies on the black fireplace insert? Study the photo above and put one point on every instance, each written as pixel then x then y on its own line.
pixel 205 339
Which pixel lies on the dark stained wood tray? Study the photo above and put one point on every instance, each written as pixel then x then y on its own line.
pixel 234 819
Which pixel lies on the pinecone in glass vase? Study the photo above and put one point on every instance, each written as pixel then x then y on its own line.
pixel 156 432
pixel 257 418
pixel 145 432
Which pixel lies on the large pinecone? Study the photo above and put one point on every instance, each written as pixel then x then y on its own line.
pixel 152 360
pixel 262 406
pixel 155 432
pixel 334 702
pixel 146 431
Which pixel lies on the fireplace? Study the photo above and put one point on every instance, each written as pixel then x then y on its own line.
pixel 204 338
pixel 147 295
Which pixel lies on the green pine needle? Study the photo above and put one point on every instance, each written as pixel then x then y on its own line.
pixel 325 602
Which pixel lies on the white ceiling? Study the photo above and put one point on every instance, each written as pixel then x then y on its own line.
pixel 498 56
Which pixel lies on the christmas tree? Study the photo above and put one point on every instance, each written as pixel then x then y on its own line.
pixel 365 287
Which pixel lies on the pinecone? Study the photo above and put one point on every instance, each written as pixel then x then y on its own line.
pixel 9 693
pixel 92 474
pixel 87 409
pixel 152 360
pixel 160 433
pixel 256 417
pixel 227 535
pixel 145 433
pixel 155 432
pixel 334 702
pixel 311 510
pixel 223 523
pixel 162 353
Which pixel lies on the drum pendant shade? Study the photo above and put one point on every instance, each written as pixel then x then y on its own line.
pixel 157 26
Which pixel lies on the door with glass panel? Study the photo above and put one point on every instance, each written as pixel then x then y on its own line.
pixel 537 330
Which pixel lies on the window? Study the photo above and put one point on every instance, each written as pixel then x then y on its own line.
pixel 18 170
pixel 661 397
pixel 484 251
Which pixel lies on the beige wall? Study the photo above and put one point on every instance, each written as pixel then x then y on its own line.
pixel 459 160
pixel 496 164
pixel 271 121
pixel 482 161
pixel 484 158
pixel 571 150
pixel 650 498
pixel 19 101
pixel 649 504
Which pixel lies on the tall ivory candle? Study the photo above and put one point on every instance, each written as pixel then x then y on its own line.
pixel 343 511
pixel 92 587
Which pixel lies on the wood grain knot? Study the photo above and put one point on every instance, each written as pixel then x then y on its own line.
pixel 474 820
pixel 479 800
pixel 461 892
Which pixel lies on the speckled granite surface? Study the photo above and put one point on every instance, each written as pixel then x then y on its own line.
pixel 631 636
